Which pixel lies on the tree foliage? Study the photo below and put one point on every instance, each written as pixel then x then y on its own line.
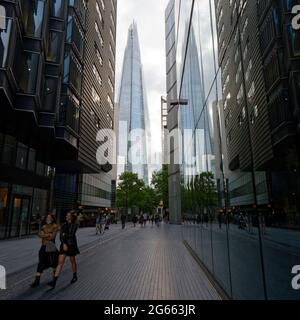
pixel 160 183
pixel 133 193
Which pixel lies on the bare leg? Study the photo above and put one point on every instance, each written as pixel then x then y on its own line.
pixel 74 264
pixel 61 262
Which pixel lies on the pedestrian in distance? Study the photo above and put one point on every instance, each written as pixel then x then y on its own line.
pixel 98 224
pixel 68 248
pixel 48 254
pixel 135 220
pixel 141 220
pixel 145 219
pixel 152 219
pixel 123 220
pixel 103 222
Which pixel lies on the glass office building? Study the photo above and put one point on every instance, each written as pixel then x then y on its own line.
pixel 55 94
pixel 239 175
pixel 133 114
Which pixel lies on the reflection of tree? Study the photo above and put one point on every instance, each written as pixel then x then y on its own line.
pixel 1 49
pixel 200 195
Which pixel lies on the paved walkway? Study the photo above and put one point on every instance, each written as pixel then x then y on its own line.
pixel 131 264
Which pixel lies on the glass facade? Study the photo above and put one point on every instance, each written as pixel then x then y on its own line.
pixel 23 200
pixel 133 110
pixel 239 185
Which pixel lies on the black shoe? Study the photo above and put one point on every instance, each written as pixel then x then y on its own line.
pixel 52 283
pixel 36 283
pixel 74 279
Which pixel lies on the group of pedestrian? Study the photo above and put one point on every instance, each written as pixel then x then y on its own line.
pixel 52 257
pixel 102 223
pixel 145 218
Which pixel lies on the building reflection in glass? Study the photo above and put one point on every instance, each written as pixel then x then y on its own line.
pixel 239 178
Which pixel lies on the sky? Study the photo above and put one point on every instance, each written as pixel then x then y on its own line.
pixel 149 16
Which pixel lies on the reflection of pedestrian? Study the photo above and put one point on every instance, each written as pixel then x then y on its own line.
pixel 157 220
pixel 123 220
pixel 68 247
pixel 220 219
pixel 48 254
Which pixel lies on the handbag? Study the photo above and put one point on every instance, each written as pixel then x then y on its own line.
pixel 51 247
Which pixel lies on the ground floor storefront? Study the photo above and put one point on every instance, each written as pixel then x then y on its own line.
pixel 21 209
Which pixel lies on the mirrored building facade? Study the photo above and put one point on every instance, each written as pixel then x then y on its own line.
pixel 235 63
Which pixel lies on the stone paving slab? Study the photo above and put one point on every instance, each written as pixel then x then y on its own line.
pixel 135 264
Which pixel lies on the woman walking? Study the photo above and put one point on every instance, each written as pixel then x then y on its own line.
pixel 48 254
pixel 68 247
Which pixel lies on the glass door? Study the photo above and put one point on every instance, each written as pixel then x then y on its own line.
pixel 20 215
pixel 15 218
pixel 24 216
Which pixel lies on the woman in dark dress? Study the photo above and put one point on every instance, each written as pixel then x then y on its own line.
pixel 48 254
pixel 68 248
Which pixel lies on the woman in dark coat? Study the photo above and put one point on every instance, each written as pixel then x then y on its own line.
pixel 68 248
pixel 48 254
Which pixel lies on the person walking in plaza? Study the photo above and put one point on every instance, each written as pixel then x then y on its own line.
pixel 152 220
pixel 135 220
pixel 157 220
pixel 98 224
pixel 145 219
pixel 103 221
pixel 123 220
pixel 48 254
pixel 141 220
pixel 68 248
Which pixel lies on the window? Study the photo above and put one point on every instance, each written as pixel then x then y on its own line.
pixel 97 75
pixel 102 4
pixel 99 12
pixel 21 159
pixel 110 102
pixel 28 72
pixel 72 71
pixel 98 54
pixel 95 96
pixel 54 46
pixel 57 8
pixel 74 34
pixel 33 16
pixel 99 34
pixel 110 85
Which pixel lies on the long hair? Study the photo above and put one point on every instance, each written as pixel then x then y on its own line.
pixel 53 218
pixel 74 216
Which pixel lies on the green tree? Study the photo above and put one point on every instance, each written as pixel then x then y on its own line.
pixel 161 185
pixel 148 200
pixel 129 191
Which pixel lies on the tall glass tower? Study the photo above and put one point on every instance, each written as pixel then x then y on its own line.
pixel 133 112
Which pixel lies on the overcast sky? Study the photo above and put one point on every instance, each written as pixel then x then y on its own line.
pixel 149 16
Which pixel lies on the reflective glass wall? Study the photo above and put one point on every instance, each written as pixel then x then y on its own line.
pixel 240 170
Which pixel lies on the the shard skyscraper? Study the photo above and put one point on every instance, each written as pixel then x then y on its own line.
pixel 133 112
